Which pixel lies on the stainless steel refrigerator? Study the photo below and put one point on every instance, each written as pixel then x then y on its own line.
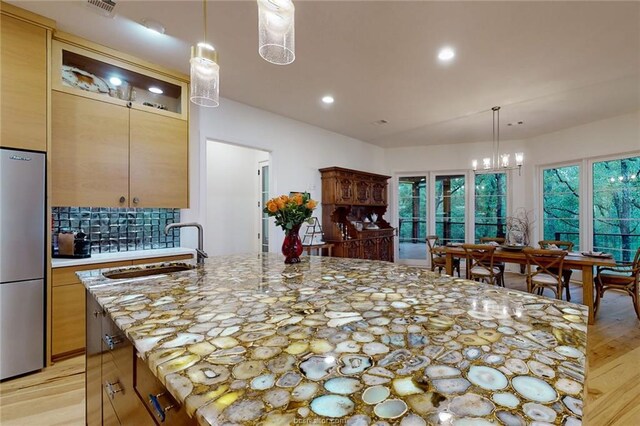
pixel 22 261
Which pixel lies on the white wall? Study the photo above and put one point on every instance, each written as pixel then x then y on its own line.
pixel 232 192
pixel 612 136
pixel 604 138
pixel 297 151
pixel 454 158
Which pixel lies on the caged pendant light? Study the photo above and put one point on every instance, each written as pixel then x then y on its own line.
pixel 205 71
pixel 276 31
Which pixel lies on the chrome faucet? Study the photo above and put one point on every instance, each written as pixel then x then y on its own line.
pixel 200 251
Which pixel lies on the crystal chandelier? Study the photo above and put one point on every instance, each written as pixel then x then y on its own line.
pixel 205 71
pixel 276 31
pixel 498 162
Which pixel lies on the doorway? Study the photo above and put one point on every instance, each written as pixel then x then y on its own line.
pixel 449 207
pixel 237 184
pixel 263 178
pixel 411 219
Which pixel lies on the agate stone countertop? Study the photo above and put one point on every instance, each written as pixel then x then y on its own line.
pixel 248 340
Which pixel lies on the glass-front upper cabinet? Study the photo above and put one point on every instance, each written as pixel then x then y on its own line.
pixel 106 77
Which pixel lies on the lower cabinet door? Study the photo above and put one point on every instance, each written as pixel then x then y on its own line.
pixel 122 397
pixel 369 249
pixel 159 402
pixel 109 417
pixel 385 249
pixel 93 385
pixel 352 249
pixel 68 316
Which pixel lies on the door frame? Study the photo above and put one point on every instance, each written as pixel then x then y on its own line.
pixel 261 164
pixel 426 262
pixel 469 214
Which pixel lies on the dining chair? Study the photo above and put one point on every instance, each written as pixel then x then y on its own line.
pixel 566 272
pixel 498 241
pixel 622 277
pixel 544 270
pixel 438 258
pixel 480 265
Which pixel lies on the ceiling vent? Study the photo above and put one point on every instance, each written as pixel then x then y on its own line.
pixel 102 7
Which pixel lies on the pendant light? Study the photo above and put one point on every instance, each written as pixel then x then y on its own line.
pixel 276 31
pixel 498 162
pixel 205 71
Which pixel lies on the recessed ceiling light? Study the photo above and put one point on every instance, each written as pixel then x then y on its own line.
pixel 446 54
pixel 115 81
pixel 155 90
pixel 328 99
pixel 154 26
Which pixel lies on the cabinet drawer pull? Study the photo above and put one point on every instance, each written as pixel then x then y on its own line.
pixel 136 200
pixel 123 199
pixel 157 407
pixel 111 388
pixel 111 341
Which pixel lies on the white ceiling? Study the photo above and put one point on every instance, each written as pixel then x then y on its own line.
pixel 551 64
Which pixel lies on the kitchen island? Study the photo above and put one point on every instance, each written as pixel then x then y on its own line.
pixel 246 340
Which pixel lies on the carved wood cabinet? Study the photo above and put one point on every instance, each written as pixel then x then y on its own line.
pixel 353 208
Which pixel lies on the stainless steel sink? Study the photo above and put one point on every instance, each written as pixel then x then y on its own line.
pixel 145 272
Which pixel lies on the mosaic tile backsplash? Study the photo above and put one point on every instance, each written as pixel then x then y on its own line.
pixel 119 229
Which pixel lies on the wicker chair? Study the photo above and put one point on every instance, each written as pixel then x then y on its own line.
pixel 438 259
pixel 480 265
pixel 542 270
pixel 566 273
pixel 623 277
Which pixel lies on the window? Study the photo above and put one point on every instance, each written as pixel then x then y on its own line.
pixel 450 208
pixel 616 207
pixel 561 204
pixel 491 205
pixel 412 214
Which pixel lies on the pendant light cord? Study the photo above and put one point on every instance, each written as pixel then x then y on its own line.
pixel 495 155
pixel 204 17
pixel 498 136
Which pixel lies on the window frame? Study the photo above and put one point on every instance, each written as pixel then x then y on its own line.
pixel 585 202
pixel 469 226
pixel 508 212
pixel 581 196
pixel 589 166
pixel 394 203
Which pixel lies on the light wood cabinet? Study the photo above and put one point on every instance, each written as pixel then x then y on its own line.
pixel 158 155
pixel 116 146
pixel 23 84
pixel 68 304
pixel 68 319
pixel 119 388
pixel 89 152
pixel 108 155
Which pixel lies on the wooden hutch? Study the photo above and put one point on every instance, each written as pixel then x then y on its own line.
pixel 353 208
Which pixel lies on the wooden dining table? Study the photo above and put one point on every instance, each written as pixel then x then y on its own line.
pixel 573 260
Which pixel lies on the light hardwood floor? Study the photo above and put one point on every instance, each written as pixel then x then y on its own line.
pixel 56 396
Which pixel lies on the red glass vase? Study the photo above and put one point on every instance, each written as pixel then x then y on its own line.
pixel 292 245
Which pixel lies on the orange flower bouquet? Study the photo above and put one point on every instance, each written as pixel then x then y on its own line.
pixel 290 212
